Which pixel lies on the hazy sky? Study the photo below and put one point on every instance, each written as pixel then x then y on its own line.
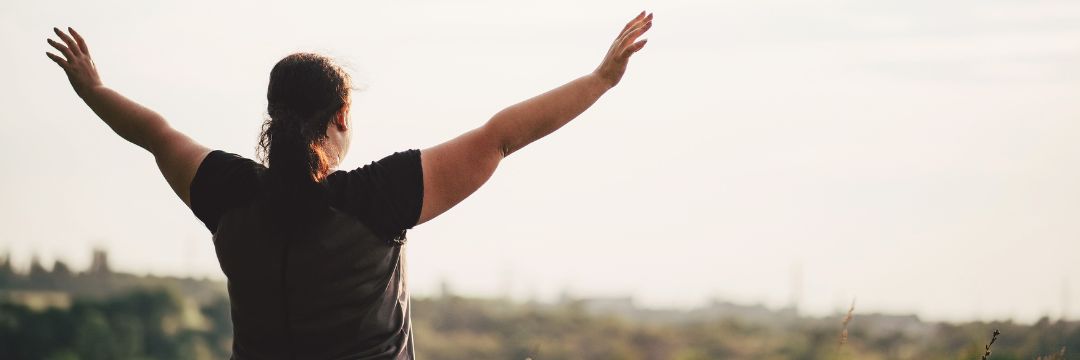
pixel 918 155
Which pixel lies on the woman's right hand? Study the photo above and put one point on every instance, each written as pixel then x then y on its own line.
pixel 626 44
pixel 77 64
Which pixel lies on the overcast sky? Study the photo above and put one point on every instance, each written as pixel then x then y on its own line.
pixel 920 156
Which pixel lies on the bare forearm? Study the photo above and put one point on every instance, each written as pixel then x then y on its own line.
pixel 455 169
pixel 127 118
pixel 532 119
pixel 177 155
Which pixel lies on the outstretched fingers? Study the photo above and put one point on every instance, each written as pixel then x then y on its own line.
pixel 72 57
pixel 80 41
pixel 73 47
pixel 57 59
pixel 632 22
pixel 628 43
pixel 637 30
pixel 637 46
pixel 63 49
pixel 635 24
pixel 69 41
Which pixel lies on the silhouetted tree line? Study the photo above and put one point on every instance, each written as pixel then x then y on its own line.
pixel 99 281
pixel 450 328
pixel 122 316
pixel 139 325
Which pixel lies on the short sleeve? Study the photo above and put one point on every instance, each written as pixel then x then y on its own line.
pixel 385 195
pixel 223 181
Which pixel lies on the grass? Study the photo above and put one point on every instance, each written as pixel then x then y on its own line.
pixel 986 355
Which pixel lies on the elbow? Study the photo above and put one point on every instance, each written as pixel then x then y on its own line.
pixel 498 136
pixel 505 150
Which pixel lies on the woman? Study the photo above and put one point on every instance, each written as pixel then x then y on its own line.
pixel 313 255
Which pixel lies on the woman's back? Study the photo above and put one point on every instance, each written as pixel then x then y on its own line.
pixel 337 291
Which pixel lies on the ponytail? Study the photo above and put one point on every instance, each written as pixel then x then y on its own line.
pixel 292 145
pixel 306 92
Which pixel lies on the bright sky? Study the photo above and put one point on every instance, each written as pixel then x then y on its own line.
pixel 918 155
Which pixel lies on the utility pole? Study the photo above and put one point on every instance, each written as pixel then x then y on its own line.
pixel 796 286
pixel 1065 298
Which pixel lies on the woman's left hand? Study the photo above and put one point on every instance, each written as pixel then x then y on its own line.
pixel 626 44
pixel 80 68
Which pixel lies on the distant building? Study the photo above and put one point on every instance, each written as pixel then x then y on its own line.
pixel 621 305
pixel 757 313
pixel 99 264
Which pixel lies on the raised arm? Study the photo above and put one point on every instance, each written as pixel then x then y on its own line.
pixel 455 169
pixel 177 156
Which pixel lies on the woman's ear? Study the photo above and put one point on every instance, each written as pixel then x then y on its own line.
pixel 341 119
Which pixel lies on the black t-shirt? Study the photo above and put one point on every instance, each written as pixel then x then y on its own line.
pixel 386 195
pixel 336 291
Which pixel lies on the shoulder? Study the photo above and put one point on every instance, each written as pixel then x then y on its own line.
pixel 386 195
pixel 223 168
pixel 398 166
pixel 223 180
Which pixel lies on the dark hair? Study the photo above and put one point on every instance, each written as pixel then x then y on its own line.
pixel 306 91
